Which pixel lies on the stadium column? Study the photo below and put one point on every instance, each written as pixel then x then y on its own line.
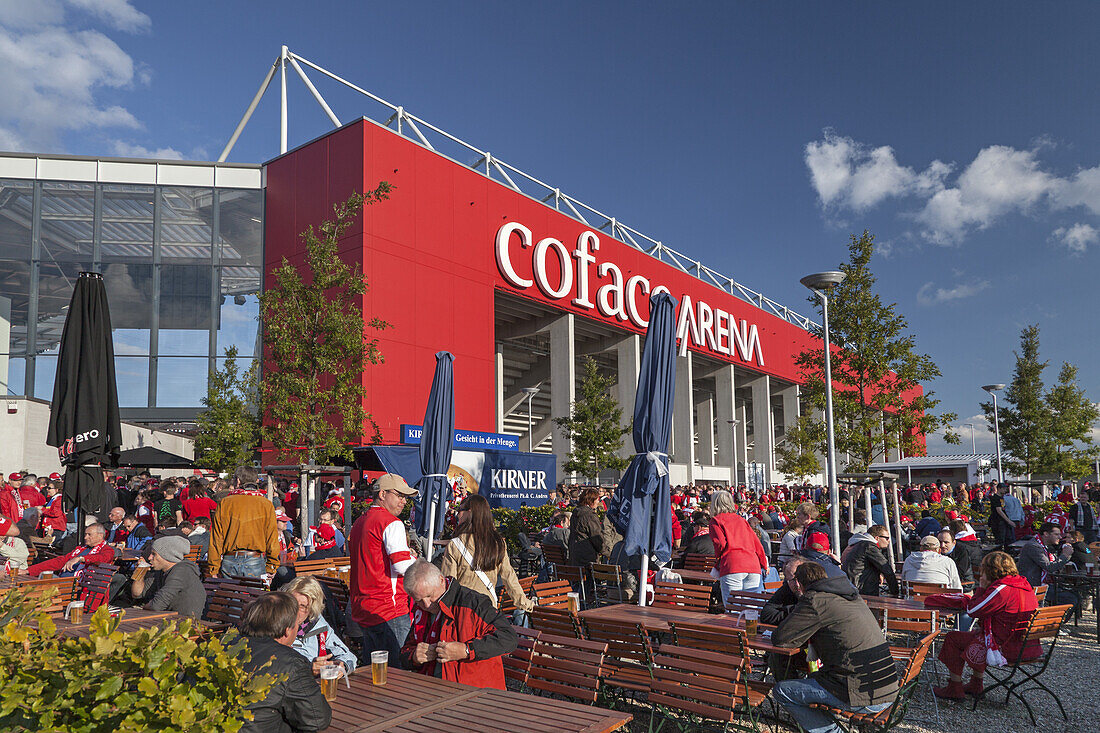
pixel 628 353
pixel 704 415
pixel 790 407
pixel 563 382
pixel 500 386
pixel 763 431
pixel 683 419
pixel 730 440
pixel 5 341
pixel 742 437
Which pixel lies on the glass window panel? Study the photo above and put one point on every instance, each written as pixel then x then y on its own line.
pixel 16 208
pixel 185 297
pixel 181 381
pixel 186 218
pixel 45 369
pixel 15 288
pixel 240 236
pixel 126 230
pixel 132 379
pixel 131 341
pixel 66 229
pixel 238 324
pixel 16 381
pixel 130 296
pixel 183 342
pixel 56 281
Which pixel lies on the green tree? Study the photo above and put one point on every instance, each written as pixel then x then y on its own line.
pixel 877 370
pixel 796 456
pixel 1023 413
pixel 316 344
pixel 228 427
pixel 1072 415
pixel 594 425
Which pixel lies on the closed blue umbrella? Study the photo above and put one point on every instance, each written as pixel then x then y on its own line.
pixel 641 507
pixel 436 440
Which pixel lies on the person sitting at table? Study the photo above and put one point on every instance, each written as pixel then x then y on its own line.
pixel 137 533
pixel 1082 555
pixel 324 543
pixel 740 560
pixel 866 564
pixel 477 556
pixel 457 634
pixel 94 551
pixel 52 521
pixel 317 641
pixel 1038 561
pixel 116 530
pixel 929 565
pixel 857 672
pixel 14 553
pixel 700 542
pixel 295 701
pixel 1002 605
pixel 957 553
pixel 788 542
pixel 175 585
pixel 200 536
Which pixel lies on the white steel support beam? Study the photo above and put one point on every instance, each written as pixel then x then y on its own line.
pixel 628 354
pixel 500 386
pixel 313 90
pixel 248 112
pixel 763 434
pixel 683 419
pixel 282 103
pixel 563 381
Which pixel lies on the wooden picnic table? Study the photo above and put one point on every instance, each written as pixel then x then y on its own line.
pixel 702 577
pixel 416 703
pixel 657 619
pixel 873 602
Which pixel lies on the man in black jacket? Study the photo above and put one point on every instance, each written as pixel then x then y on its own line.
pixel 958 554
pixel 865 563
pixel 295 703
pixel 856 670
pixel 700 542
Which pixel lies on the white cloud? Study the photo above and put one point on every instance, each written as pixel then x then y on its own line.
pixel 1000 180
pixel 55 75
pixel 1077 238
pixel 929 294
pixel 129 150
pixel 983 442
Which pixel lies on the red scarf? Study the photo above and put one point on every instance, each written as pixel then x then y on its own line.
pixel 18 502
pixel 245 491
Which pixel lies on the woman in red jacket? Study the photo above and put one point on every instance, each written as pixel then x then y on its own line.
pixel 739 557
pixel 53 520
pixel 1003 605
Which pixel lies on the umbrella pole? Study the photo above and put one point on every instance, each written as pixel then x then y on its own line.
pixel 645 555
pixel 429 544
pixel 897 517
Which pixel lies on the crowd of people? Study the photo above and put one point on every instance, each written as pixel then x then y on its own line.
pixel 442 618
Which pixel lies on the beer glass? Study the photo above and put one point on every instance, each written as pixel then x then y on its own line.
pixel 751 619
pixel 574 602
pixel 330 677
pixel 76 613
pixel 379 661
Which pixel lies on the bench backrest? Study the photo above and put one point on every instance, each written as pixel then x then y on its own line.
pixel 517 664
pixel 568 667
pixel 681 595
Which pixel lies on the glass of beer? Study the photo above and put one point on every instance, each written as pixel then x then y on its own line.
pixel 379 662
pixel 751 619
pixel 13 572
pixel 330 677
pixel 574 602
pixel 76 613
pixel 46 574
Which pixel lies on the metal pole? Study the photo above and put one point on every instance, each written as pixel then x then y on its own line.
pixel 645 555
pixel 886 519
pixel 429 544
pixel 303 505
pixel 834 492
pixel 530 426
pixel 867 503
pixel 282 101
pixel 897 516
pixel 997 434
pixel 248 112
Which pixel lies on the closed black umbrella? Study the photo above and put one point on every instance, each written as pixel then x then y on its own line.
pixel 84 422
pixel 436 442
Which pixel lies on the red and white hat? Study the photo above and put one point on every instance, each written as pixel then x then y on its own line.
pixel 281 515
pixel 325 537
pixel 55 476
pixel 15 476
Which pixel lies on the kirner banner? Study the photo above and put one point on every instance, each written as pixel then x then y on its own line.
pixel 506 478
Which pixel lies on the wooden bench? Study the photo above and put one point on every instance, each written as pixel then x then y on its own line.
pixel 557 621
pixel 228 604
pixel 94 585
pixel 695 561
pixel 553 594
pixel 517 664
pixel 506 605
pixel 314 567
pixel 681 595
pixel 65 590
pixel 706 684
pixel 608 585
pixel 566 666
pixel 627 666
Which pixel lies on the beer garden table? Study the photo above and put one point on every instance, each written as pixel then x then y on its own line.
pixel 413 703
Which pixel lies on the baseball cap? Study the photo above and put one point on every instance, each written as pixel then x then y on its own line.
pixel 55 476
pixel 15 476
pixel 281 516
pixel 930 542
pixel 393 482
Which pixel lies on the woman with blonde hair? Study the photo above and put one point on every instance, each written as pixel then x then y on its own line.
pixel 477 556
pixel 316 640
pixel 740 560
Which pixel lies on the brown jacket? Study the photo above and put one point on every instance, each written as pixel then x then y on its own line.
pixel 455 566
pixel 244 522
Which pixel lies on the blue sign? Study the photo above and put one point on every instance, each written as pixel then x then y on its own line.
pixel 515 479
pixel 466 439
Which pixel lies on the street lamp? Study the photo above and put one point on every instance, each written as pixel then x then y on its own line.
pixel 973 444
pixel 820 284
pixel 733 429
pixel 530 392
pixel 992 390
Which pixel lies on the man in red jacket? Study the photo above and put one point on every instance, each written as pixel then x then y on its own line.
pixel 455 629
pixel 95 551
pixel 11 504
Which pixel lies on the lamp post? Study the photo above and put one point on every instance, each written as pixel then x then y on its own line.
pixel 992 390
pixel 973 443
pixel 820 283
pixel 733 429
pixel 530 392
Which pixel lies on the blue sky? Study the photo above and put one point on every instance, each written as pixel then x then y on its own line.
pixel 756 137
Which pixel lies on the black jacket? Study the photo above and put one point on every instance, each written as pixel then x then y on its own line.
pixel 585 536
pixel 864 562
pixel 700 544
pixel 961 556
pixel 783 601
pixel 293 704
pixel 856 662
pixel 179 590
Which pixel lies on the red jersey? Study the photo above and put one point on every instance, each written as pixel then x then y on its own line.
pixel 380 554
pixel 53 515
pixel 200 507
pixel 31 495
pixel 11 504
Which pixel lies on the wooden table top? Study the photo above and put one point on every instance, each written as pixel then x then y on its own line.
pixel 658 619
pixel 695 576
pixel 411 702
pixel 875 602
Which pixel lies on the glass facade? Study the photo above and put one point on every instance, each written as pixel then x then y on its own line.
pixel 182 266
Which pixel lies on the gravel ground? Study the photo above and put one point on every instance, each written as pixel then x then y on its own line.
pixel 1073 673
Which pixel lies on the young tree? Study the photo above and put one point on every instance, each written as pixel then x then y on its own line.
pixel 594 426
pixel 875 368
pixel 1072 415
pixel 316 344
pixel 228 427
pixel 1023 413
pixel 797 454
